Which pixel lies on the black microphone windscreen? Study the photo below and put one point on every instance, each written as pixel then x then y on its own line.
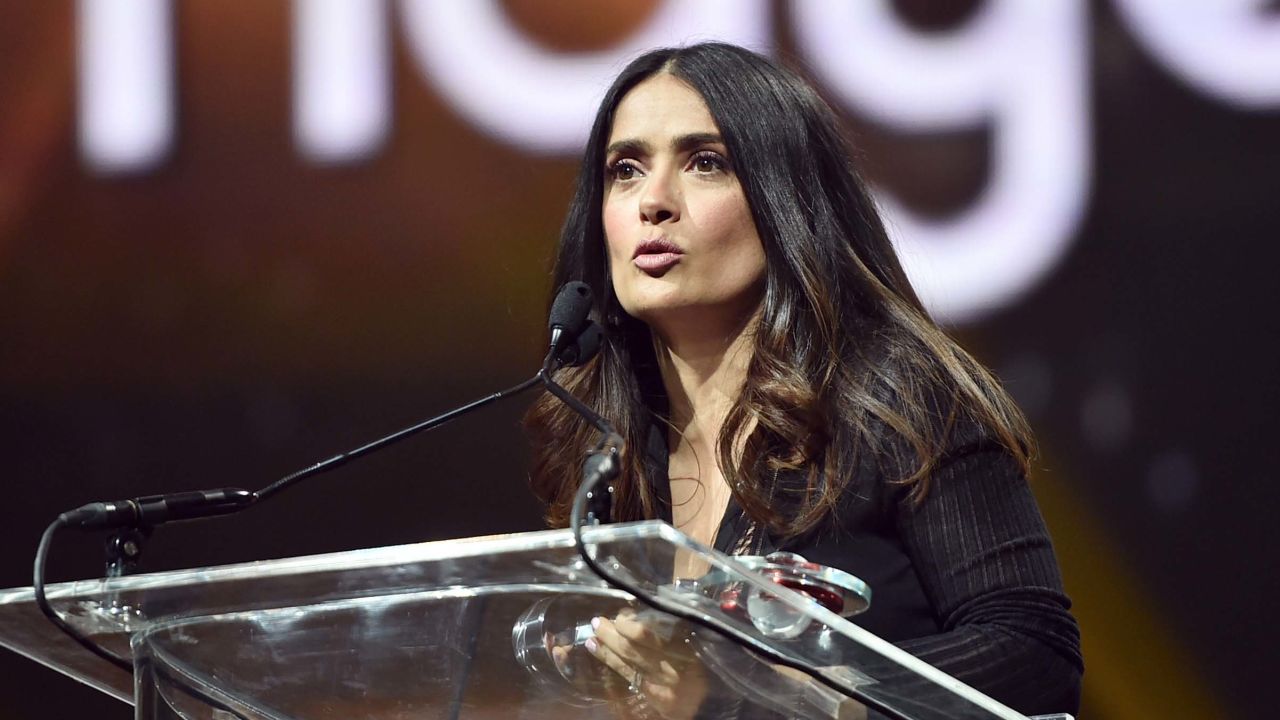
pixel 570 308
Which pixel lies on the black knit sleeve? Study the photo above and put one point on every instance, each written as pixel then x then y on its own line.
pixel 985 561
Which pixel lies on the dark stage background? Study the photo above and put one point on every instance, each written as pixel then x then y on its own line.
pixel 244 301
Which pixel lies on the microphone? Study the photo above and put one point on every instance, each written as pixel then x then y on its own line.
pixel 569 319
pixel 158 509
pixel 568 316
pixel 574 341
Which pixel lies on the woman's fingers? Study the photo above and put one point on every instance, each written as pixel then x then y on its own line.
pixel 613 661
pixel 606 632
pixel 560 655
pixel 622 645
pixel 626 640
pixel 629 626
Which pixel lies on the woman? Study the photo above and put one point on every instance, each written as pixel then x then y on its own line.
pixel 780 385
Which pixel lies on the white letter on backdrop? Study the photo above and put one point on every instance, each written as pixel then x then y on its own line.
pixel 341 78
pixel 541 100
pixel 1228 49
pixel 1015 65
pixel 125 63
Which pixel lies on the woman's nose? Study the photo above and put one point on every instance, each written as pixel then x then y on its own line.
pixel 660 201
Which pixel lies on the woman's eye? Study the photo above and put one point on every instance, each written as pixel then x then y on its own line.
pixel 623 170
pixel 708 162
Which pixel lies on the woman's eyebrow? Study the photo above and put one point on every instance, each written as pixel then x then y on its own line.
pixel 679 144
pixel 685 143
pixel 629 146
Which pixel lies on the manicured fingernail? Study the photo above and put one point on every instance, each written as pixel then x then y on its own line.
pixel 595 623
pixel 592 645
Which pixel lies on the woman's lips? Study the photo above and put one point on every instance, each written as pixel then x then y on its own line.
pixel 656 264
pixel 656 256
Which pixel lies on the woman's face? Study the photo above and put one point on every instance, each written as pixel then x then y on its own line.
pixel 681 240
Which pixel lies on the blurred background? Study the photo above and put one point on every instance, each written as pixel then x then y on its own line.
pixel 237 238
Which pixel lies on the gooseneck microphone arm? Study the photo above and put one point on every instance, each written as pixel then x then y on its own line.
pixel 569 311
pixel 592 506
pixel 341 459
pixel 574 341
pixel 582 502
pixel 154 510
pixel 601 465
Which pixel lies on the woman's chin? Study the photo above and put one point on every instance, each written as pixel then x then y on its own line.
pixel 655 315
pixel 655 304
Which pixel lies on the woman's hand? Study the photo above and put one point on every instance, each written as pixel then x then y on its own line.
pixel 660 671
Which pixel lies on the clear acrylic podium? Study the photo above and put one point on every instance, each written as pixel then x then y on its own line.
pixel 480 628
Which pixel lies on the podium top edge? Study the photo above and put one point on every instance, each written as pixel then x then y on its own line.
pixel 360 558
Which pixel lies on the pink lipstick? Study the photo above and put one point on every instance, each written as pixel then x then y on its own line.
pixel 656 256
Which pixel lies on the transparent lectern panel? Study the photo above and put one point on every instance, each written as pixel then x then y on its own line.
pixel 488 627
pixel 430 655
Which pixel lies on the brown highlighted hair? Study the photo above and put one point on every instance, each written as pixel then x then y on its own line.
pixel 845 360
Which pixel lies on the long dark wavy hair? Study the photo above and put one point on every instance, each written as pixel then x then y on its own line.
pixel 845 360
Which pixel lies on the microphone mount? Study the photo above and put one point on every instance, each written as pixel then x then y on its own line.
pixel 601 465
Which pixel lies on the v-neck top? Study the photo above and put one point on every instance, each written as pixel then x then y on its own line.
pixel 967 580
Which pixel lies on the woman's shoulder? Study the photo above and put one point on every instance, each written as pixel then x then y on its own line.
pixel 922 413
pixel 947 381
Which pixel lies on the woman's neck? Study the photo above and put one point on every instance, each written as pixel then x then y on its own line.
pixel 703 371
